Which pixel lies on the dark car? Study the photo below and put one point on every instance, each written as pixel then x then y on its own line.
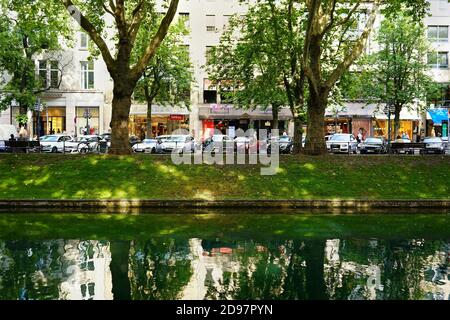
pixel 285 144
pixel 373 145
pixel 433 145
pixel 402 145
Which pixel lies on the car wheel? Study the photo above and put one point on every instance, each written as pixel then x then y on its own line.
pixel 54 150
pixel 83 150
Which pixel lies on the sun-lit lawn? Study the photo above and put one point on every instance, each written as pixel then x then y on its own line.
pixel 156 177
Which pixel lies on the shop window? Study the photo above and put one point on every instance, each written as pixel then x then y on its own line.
pixel 87 120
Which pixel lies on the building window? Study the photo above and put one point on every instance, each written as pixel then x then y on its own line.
pixel 54 74
pixel 184 16
pixel 438 33
pixel 87 75
pixel 84 41
pixel 43 73
pixel 208 54
pixel 49 73
pixel 210 23
pixel 438 60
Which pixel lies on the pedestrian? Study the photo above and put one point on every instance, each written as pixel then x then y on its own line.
pixel 359 137
pixel 23 131
pixel 12 138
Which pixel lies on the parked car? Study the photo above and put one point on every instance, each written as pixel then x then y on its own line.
pixel 406 149
pixel 373 145
pixel 285 144
pixel 55 142
pixel 218 143
pixel 147 146
pixel 433 145
pixel 342 143
pixel 178 143
pixel 242 144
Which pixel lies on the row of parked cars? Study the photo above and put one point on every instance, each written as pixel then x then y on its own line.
pixel 213 144
pixel 346 143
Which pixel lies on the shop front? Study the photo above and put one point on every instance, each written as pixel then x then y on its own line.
pixel 52 120
pixel 165 120
pixel 227 120
pixel 408 127
pixel 87 120
pixel 437 122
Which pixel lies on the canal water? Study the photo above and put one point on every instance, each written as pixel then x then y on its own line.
pixel 225 256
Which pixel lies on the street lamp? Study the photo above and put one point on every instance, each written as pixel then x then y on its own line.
pixel 87 115
pixel 38 108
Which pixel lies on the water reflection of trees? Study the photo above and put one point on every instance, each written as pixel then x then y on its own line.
pixel 159 268
pixel 165 268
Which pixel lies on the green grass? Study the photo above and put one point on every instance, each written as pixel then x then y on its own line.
pixel 153 177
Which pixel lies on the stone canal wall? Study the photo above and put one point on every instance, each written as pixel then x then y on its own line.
pixel 244 204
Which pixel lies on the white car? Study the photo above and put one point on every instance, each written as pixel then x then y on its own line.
pixel 178 143
pixel 147 146
pixel 342 143
pixel 55 142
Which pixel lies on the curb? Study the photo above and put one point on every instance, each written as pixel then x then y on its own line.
pixel 194 204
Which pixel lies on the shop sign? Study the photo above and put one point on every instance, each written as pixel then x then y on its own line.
pixel 176 117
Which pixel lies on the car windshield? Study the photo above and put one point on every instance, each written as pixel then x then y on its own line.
pixel 340 137
pixel 285 138
pixel 88 139
pixel 436 140
pixel 163 138
pixel 50 138
pixel 149 141
pixel 374 140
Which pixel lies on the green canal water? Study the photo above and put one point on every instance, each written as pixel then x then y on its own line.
pixel 212 255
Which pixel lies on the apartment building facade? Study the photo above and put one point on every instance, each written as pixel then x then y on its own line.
pixel 85 95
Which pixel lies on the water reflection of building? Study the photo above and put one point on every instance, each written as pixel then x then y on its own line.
pixel 207 270
pixel 87 271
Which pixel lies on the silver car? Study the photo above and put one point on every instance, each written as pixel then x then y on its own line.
pixel 342 143
pixel 178 143
pixel 147 146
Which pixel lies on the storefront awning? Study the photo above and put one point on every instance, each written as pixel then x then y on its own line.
pixel 363 110
pixel 437 115
pixel 228 112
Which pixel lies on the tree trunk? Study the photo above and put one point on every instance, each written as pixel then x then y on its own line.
pixel 315 282
pixel 275 112
pixel 121 104
pixel 149 119
pixel 397 121
pixel 298 135
pixel 120 251
pixel 315 138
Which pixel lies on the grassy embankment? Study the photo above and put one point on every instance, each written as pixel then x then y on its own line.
pixel 153 177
